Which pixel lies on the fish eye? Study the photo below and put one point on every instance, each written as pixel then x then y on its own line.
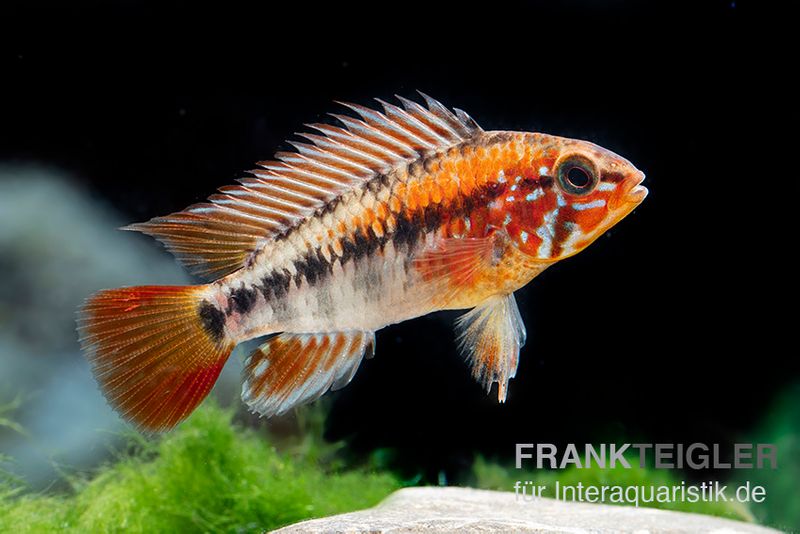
pixel 577 175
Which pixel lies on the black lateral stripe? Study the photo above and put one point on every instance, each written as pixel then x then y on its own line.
pixel 275 286
pixel 313 267
pixel 407 230
pixel 422 165
pixel 432 217
pixel 272 287
pixel 242 299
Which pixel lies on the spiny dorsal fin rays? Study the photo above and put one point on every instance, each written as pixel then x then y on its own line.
pixel 331 159
pixel 273 192
pixel 337 149
pixel 393 145
pixel 464 117
pixel 433 122
pixel 393 129
pixel 412 124
pixel 378 154
pixel 219 237
pixel 316 166
pixel 453 121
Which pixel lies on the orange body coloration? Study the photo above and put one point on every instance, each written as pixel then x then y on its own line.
pixel 393 216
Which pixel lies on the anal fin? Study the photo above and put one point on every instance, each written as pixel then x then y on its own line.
pixel 293 369
pixel 490 336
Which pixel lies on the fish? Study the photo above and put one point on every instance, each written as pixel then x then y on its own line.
pixel 388 214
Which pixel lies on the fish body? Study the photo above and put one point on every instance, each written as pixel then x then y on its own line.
pixel 393 216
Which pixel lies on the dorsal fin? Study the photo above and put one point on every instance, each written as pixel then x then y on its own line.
pixel 218 237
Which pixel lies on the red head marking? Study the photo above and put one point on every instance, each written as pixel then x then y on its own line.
pixel 555 203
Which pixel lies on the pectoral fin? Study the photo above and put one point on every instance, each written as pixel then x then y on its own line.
pixel 490 336
pixel 293 369
pixel 449 265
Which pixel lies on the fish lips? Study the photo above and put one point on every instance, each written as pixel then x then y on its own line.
pixel 633 192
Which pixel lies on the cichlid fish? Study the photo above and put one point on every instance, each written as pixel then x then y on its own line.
pixel 387 217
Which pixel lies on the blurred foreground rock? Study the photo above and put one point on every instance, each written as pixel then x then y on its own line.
pixel 469 510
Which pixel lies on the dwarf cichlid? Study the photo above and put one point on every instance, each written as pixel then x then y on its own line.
pixel 377 220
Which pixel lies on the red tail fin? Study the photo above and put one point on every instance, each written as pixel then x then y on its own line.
pixel 155 351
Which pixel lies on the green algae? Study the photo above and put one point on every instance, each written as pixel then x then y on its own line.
pixel 208 475
pixel 781 427
pixel 212 475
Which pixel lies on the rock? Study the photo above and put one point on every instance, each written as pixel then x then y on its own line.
pixel 469 510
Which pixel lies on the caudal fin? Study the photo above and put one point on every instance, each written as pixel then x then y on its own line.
pixel 155 351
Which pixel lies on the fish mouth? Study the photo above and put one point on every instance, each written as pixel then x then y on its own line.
pixel 635 192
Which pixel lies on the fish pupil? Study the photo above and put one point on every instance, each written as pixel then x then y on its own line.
pixel 578 177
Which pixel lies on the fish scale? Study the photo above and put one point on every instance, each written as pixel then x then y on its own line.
pixel 394 215
pixel 373 289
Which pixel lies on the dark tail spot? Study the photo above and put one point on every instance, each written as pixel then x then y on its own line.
pixel 213 321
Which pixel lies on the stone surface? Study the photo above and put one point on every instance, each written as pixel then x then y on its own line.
pixel 468 510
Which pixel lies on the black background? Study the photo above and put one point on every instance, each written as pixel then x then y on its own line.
pixel 669 329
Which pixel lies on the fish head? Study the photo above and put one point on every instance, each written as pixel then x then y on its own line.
pixel 568 194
